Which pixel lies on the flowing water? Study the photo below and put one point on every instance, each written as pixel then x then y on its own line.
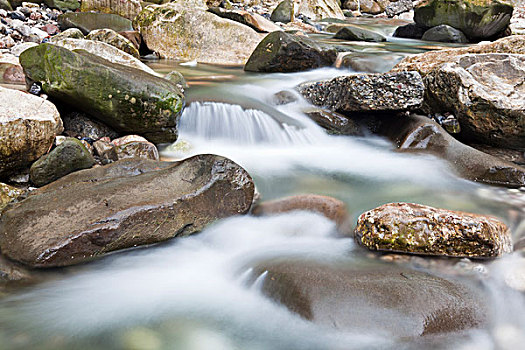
pixel 200 292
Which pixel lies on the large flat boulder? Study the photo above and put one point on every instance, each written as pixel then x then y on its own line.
pixel 127 99
pixel 396 302
pixel 122 205
pixel 28 126
pixel 88 21
pixel 419 229
pixel 486 93
pixel 367 92
pixel 184 30
pixel 126 8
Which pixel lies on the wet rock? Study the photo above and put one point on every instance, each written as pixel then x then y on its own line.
pixel 361 62
pixel 419 229
pixel 331 208
pixel 13 273
pixel 134 37
pixel 284 52
pixel 367 92
pixel 400 302
pixel 126 8
pixel 284 12
pixel 105 51
pixel 358 34
pixel 486 93
pixel 122 205
pixel 253 20
pixel 426 62
pixel 88 21
pixel 7 194
pixel 29 125
pixel 445 34
pixel 397 7
pixel 113 38
pixel 71 33
pixel 69 156
pixel 184 30
pixel 81 126
pixel 131 146
pixel 420 134
pixel 320 9
pixel 478 19
pixel 334 123
pixel 284 97
pixel 509 155
pixel 126 99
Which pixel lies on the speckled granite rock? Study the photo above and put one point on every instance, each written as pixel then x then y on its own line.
pixel 419 229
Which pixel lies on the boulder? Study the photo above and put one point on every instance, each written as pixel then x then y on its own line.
pixel 368 6
pixel 358 34
pixel 253 20
pixel 186 31
pixel 69 156
pixel 397 7
pixel 126 8
pixel 395 302
pixel 445 34
pixel 122 205
pixel 410 31
pixel 320 9
pixel 333 122
pixel 284 12
pixel 71 33
pixel 486 93
pixel 12 273
pixel 5 5
pixel 62 5
pixel 29 125
pixel 367 92
pixel 79 125
pixel 421 134
pixel 285 52
pixel 330 207
pixel 7 194
pixel 105 51
pixel 420 229
pixel 127 99
pixel 478 19
pixel 88 21
pixel 426 62
pixel 113 38
pixel 130 146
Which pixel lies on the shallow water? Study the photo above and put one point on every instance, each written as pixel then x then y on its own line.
pixel 194 293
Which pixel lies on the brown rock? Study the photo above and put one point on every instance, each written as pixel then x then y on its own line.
pixel 252 20
pixel 419 229
pixel 125 8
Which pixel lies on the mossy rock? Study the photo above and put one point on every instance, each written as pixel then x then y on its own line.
pixel 283 12
pixel 127 99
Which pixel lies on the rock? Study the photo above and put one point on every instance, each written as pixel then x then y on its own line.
pixel 509 155
pixel 114 39
pixel 320 9
pixel 134 37
pixel 10 70
pixel 122 205
pixel 426 62
pixel 88 21
pixel 284 52
pixel 334 123
pixel 419 229
pixel 358 34
pixel 69 156
pixel 19 48
pixel 186 31
pixel 7 194
pixel 81 126
pixel 398 7
pixel 106 151
pixel 398 302
pixel 105 51
pixel 477 19
pixel 445 34
pixel 486 93
pixel 52 29
pixel 126 99
pixel 284 12
pixel 12 273
pixel 63 5
pixel 331 208
pixel 71 33
pixel 253 20
pixel 361 62
pixel 367 92
pixel 369 6
pixel 126 8
pixel 352 5
pixel 131 146
pixel 5 5
pixel 177 78
pixel 28 129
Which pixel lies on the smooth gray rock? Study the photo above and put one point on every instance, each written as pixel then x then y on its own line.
pixel 445 34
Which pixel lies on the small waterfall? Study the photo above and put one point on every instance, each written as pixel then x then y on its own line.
pixel 216 121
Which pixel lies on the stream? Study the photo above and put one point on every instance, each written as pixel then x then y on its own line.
pixel 200 292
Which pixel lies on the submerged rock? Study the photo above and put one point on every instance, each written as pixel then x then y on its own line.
pixel 367 92
pixel 88 21
pixel 126 99
pixel 399 302
pixel 285 52
pixel 478 19
pixel 114 39
pixel 446 34
pixel 126 8
pixel 184 30
pixel 69 156
pixel 29 125
pixel 486 92
pixel 419 229
pixel 358 34
pixel 122 205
